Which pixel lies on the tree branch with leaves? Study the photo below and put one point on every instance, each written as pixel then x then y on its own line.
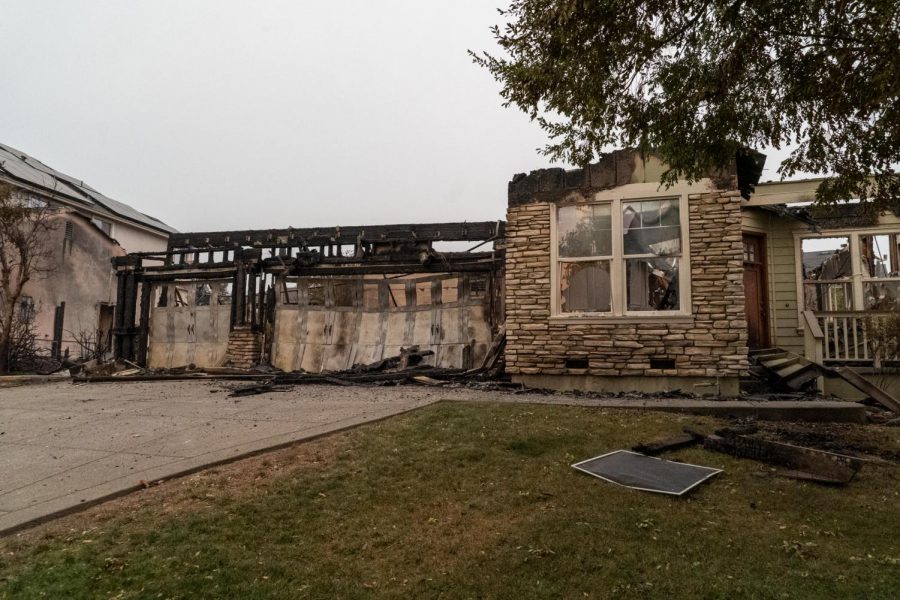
pixel 696 82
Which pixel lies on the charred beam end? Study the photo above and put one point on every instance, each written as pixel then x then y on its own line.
pixel 130 261
pixel 352 235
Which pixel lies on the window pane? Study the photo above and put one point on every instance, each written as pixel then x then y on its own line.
pixel 826 259
pixel 651 227
pixel 652 283
pixel 584 230
pixel 879 254
pixel 584 286
pixel 828 296
pixel 882 295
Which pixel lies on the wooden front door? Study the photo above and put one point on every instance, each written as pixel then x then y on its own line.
pixel 755 296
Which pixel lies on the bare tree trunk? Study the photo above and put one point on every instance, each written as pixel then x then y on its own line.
pixel 6 324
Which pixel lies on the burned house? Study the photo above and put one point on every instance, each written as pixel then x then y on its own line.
pixel 314 299
pixel 73 304
pixel 600 279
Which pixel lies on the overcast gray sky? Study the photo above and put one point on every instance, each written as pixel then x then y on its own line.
pixel 219 114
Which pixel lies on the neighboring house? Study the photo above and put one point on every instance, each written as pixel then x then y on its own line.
pixel 76 301
pixel 614 282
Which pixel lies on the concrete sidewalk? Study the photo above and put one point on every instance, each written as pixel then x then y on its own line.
pixel 65 446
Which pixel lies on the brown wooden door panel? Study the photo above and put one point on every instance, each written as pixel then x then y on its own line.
pixel 755 291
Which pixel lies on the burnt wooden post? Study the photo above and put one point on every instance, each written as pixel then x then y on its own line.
pixel 144 327
pixel 252 299
pixel 126 301
pixel 245 262
pixel 238 291
pixel 58 319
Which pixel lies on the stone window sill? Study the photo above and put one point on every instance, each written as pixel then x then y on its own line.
pixel 595 320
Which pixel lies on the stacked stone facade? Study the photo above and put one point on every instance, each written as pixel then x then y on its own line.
pixel 244 348
pixel 710 344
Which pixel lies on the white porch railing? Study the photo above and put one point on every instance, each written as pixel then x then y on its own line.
pixel 842 337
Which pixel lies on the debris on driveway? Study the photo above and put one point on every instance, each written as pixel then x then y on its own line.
pixel 409 366
pixel 257 388
pixel 646 473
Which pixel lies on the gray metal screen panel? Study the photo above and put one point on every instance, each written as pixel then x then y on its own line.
pixel 646 473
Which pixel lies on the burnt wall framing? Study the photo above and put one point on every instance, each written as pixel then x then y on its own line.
pixel 254 261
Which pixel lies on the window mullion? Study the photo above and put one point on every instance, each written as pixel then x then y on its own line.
pixel 856 273
pixel 617 272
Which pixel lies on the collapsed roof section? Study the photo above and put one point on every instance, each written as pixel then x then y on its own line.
pixel 261 265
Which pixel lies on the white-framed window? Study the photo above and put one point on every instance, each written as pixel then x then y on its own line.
pixel 849 270
pixel 621 257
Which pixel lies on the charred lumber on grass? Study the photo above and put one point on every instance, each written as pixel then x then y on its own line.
pixel 800 462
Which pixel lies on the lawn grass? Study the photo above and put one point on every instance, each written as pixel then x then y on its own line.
pixel 472 501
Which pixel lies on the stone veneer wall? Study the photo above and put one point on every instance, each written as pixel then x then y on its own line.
pixel 710 344
pixel 244 348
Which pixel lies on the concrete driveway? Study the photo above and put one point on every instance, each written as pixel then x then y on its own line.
pixel 63 446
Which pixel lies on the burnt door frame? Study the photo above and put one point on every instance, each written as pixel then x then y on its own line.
pixel 760 267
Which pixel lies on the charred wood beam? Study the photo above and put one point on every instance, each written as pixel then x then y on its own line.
pixel 353 235
pixel 126 332
pixel 119 314
pixel 458 267
pixel 144 325
pixel 170 277
pixel 188 267
pixel 384 259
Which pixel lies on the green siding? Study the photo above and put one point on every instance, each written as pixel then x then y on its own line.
pixel 782 275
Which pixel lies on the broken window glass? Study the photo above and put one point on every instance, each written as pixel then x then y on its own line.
pixel 584 230
pixel 652 283
pixel 202 294
pixel 585 286
pixel 651 227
